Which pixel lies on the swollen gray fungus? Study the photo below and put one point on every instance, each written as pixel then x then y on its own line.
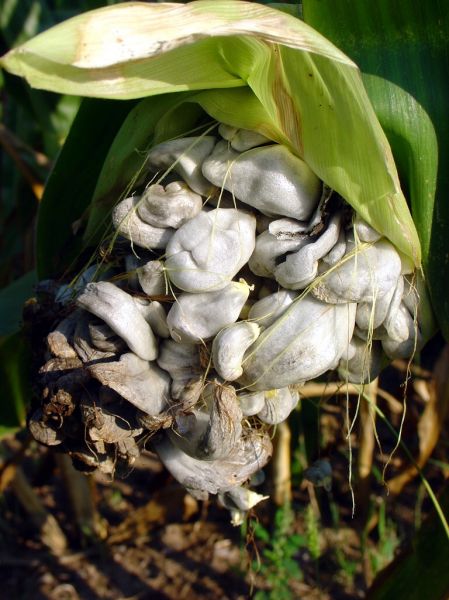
pixel 199 317
pixel 104 338
pixel 128 224
pixel 155 316
pixel 278 404
pixel 182 362
pixel 287 229
pixel 306 341
pixel 152 278
pixel 241 498
pixel 179 359
pixel 367 272
pixel 60 340
pixel 85 349
pixel 269 178
pixel 171 206
pixel 264 312
pixel 203 477
pixel 395 322
pixel 140 382
pixel 251 403
pixel 268 250
pixel 362 362
pixel 406 348
pixel 242 139
pixel 300 268
pixel 118 309
pixel 365 232
pixel 238 277
pixel 338 250
pixel 229 346
pixel 208 251
pixel 239 501
pixel 371 314
pixel 185 156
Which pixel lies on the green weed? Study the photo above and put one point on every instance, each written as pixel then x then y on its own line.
pixel 277 564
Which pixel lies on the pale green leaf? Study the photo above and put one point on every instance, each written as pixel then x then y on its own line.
pixel 310 96
pixel 402 49
pixel 12 299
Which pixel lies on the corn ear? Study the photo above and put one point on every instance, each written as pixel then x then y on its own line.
pixel 305 92
pixel 259 70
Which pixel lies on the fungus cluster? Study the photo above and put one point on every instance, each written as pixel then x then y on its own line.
pixel 235 278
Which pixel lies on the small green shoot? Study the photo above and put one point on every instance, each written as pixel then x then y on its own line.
pixel 277 564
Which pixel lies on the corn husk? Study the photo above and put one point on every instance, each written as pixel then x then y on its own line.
pixel 257 68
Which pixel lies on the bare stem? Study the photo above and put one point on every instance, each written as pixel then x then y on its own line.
pixel 281 465
pixel 79 489
pixel 50 532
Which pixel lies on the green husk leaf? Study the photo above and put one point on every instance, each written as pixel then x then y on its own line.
pixel 72 182
pixel 125 159
pixel 15 391
pixel 401 48
pixel 414 143
pixel 12 299
pixel 311 95
pixel 111 39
